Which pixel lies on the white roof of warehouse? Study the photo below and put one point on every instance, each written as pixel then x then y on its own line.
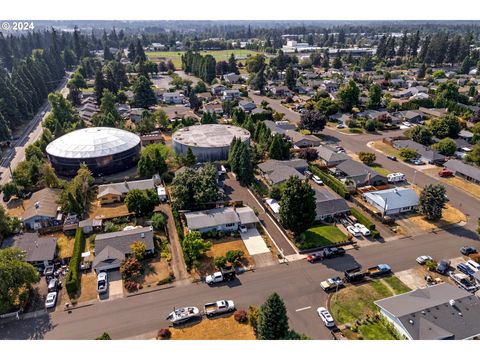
pixel 93 142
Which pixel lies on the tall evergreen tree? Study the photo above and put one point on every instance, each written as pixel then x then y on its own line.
pixel 273 319
pixel 144 95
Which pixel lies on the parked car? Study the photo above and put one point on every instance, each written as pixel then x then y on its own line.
pixel 242 228
pixel 49 270
pixel 355 274
pixel 443 266
pixel 53 285
pixel 353 230
pixel 340 126
pixel 465 269
pixel 473 265
pixel 362 228
pixel 317 180
pixel 344 222
pixel 333 252
pixel 391 157
pixel 467 250
pixel 218 307
pixel 51 300
pixel 315 257
pixel 332 283
pixel 445 173
pixel 423 259
pixel 326 317
pixel 407 124
pixel 226 273
pixel 417 162
pixel 379 270
pixel 102 282
pixel 308 174
pixel 396 177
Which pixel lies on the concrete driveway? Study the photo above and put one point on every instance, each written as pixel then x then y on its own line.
pixel 257 248
pixel 115 287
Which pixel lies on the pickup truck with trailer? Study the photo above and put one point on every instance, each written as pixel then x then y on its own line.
pixel 355 274
pixel 464 281
pixel 226 273
pixel 379 270
pixel 396 177
pixel 218 307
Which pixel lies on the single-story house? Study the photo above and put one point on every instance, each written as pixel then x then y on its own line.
pixel 393 201
pixel 281 91
pixel 218 89
pixel 231 78
pixel 466 171
pixel 110 193
pixel 330 157
pixel 439 312
pixel 112 248
pixel 427 154
pixel 247 105
pixel 173 97
pixel 328 203
pixel 411 116
pixel 152 138
pixel 466 135
pixel 220 219
pixel 216 108
pixel 278 127
pixel 89 225
pixel 278 171
pixel 435 113
pixel 42 209
pixel 39 251
pixel 231 94
pixel 300 141
pixel 135 114
pixel 360 173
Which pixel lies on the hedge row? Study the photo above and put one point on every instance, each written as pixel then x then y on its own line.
pixel 335 184
pixel 72 280
pixel 362 219
pixel 178 221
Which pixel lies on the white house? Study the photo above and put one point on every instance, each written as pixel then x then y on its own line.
pixel 393 201
pixel 173 97
pixel 220 219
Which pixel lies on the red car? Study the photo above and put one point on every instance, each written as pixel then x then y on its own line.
pixel 315 257
pixel 445 173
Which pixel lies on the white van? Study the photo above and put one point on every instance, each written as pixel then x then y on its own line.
pixel 473 265
pixel 396 177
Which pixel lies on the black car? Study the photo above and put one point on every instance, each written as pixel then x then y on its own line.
pixel 443 266
pixel 467 250
pixel 391 157
pixel 333 252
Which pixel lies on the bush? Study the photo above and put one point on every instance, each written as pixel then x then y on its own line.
pixel 178 221
pixel 375 234
pixel 164 334
pixel 335 184
pixel 131 268
pixel 111 227
pixel 362 219
pixel 131 285
pixel 158 221
pixel 240 316
pixel 431 265
pixel 252 316
pixel 167 280
pixel 234 256
pixel 104 336
pixel 220 261
pixel 408 154
pixel 72 280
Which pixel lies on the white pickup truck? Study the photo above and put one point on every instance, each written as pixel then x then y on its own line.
pixel 218 307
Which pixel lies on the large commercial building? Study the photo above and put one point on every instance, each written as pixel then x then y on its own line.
pixel 104 150
pixel 209 142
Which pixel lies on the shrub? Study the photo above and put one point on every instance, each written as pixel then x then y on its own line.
pixel 431 265
pixel 362 219
pixel 252 316
pixel 220 261
pixel 240 316
pixel 335 184
pixel 104 336
pixel 72 280
pixel 158 221
pixel 131 285
pixel 131 268
pixel 164 334
pixel 111 227
pixel 167 280
pixel 408 154
pixel 178 221
pixel 234 256
pixel 375 234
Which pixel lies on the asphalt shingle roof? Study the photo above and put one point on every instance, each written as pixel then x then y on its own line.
pixel 36 248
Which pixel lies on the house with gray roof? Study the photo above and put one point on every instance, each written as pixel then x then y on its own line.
pixel 393 201
pixel 426 153
pixel 42 209
pixel 360 173
pixel 439 312
pixel 278 171
pixel 112 248
pixel 300 140
pixel 39 251
pixel 465 171
pixel 278 127
pixel 330 157
pixel 110 193
pixel 247 105
pixel 225 219
pixel 328 203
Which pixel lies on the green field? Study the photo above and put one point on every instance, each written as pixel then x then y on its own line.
pixel 219 55
pixel 381 170
pixel 322 235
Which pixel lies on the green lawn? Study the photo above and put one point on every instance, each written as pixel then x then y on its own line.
pixel 381 170
pixel 356 302
pixel 322 235
pixel 219 55
pixel 385 148
pixel 376 330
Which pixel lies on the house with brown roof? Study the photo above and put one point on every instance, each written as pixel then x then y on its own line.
pixel 42 209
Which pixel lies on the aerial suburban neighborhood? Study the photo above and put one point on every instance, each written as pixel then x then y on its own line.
pixel 240 180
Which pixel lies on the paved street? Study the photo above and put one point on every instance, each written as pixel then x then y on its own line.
pixel 297 282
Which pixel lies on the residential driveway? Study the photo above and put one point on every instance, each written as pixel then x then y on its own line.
pixel 115 287
pixel 257 248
